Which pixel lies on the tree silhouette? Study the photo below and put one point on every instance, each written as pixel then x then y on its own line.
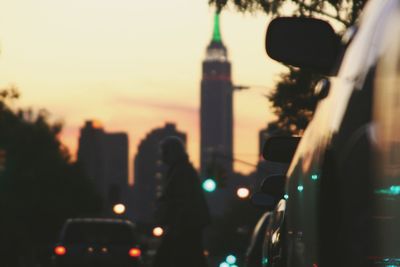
pixel 40 187
pixel 293 100
pixel 345 12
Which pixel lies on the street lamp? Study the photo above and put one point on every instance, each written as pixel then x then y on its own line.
pixel 243 192
pixel 119 209
pixel 158 231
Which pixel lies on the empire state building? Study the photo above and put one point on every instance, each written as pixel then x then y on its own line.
pixel 216 112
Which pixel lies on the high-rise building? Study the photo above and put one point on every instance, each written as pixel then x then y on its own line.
pixel 149 172
pixel 216 114
pixel 91 154
pixel 116 165
pixel 104 157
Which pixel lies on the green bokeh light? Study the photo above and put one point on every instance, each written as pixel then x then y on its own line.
pixel 393 190
pixel 209 185
pixel 231 259
pixel 300 188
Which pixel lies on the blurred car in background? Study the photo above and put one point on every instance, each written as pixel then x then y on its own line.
pixel 254 251
pixel 97 242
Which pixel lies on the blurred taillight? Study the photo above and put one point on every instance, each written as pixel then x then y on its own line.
pixel 135 252
pixel 60 250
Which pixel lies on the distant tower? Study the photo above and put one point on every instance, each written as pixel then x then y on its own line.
pixel 149 172
pixel 104 157
pixel 91 154
pixel 116 164
pixel 216 115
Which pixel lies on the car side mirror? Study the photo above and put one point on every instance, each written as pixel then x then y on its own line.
pixel 271 191
pixel 303 42
pixel 280 148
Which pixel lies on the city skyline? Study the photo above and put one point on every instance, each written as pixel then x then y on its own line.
pixel 106 64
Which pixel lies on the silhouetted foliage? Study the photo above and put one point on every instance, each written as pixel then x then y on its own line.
pixel 343 11
pixel 275 128
pixel 293 100
pixel 39 187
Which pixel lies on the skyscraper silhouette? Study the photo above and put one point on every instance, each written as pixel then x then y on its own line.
pixel 216 106
pixel 104 157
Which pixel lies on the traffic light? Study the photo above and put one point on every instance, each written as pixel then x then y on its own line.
pixel 231 259
pixel 209 185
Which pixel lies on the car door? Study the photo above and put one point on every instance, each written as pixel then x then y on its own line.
pixel 313 202
pixel 385 133
pixel 274 253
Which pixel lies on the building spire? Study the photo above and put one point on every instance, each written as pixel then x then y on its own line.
pixel 217 33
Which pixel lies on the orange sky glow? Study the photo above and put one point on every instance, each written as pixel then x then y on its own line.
pixel 132 65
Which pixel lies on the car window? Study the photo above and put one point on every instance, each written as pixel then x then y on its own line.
pixel 98 233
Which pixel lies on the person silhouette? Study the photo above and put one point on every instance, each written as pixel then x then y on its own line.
pixel 182 210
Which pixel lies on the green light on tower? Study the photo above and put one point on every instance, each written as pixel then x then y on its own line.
pixel 217 33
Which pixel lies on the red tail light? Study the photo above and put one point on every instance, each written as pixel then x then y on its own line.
pixel 60 250
pixel 135 252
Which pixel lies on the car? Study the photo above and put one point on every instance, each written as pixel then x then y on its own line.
pixel 278 152
pixel 254 250
pixel 341 204
pixel 97 242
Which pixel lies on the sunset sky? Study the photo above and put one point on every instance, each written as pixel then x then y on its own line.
pixel 133 65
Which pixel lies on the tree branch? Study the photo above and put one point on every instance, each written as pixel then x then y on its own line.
pixel 322 12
